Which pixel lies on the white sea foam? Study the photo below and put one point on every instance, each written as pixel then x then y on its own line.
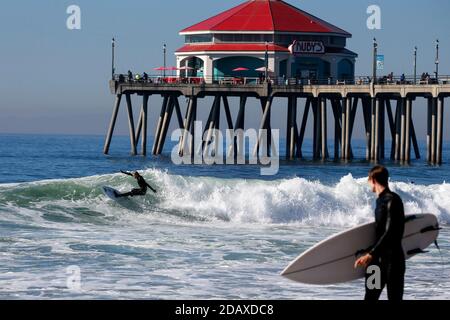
pixel 287 201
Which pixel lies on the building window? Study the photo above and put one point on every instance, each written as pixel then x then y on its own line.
pixel 198 38
pixel 258 38
pixel 338 41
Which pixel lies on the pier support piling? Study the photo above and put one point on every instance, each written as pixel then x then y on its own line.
pixel 144 124
pixel 159 124
pixel 408 129
pixel 367 114
pixel 376 132
pixel 293 129
pixel 288 128
pixel 351 125
pixel 291 135
pixel 429 129
pixel 239 143
pixel 348 125
pixel 391 121
pixel 131 125
pixel 267 141
pixel 382 129
pixel 301 136
pixel 414 141
pixel 433 130
pixel 344 128
pixel 324 128
pixel 186 126
pixel 165 123
pixel 192 127
pixel 337 111
pixel 403 129
pixel 178 113
pixel 398 116
pixel 211 124
pixel 439 129
pixel 264 126
pixel 316 128
pixel 112 124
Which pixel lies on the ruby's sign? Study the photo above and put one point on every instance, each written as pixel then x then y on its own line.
pixel 308 47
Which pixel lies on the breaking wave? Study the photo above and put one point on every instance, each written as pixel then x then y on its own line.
pixel 185 199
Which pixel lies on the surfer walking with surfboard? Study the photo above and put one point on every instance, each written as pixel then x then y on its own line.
pixel 141 191
pixel 387 254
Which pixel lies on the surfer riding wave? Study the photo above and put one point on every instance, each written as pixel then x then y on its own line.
pixel 141 191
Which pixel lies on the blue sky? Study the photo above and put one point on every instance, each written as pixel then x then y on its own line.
pixel 54 80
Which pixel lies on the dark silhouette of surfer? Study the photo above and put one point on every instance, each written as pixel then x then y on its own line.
pixel 141 191
pixel 387 253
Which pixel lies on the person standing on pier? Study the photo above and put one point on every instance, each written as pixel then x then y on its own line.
pixel 387 253
pixel 141 191
pixel 402 79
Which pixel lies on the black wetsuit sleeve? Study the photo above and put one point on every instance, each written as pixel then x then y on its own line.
pixel 394 221
pixel 127 173
pixel 151 187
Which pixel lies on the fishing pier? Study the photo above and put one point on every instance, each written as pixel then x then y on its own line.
pixel 381 105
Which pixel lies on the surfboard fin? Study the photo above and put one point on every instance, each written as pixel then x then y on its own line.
pixel 437 245
pixel 416 251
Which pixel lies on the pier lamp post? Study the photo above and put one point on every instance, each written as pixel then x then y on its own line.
pixel 375 53
pixel 113 69
pixel 437 61
pixel 415 65
pixel 266 61
pixel 164 53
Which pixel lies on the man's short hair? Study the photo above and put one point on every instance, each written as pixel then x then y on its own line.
pixel 379 174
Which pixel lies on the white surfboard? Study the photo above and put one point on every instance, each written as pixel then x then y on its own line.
pixel 332 260
pixel 124 202
pixel 110 192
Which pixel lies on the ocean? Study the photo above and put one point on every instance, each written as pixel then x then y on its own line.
pixel 211 232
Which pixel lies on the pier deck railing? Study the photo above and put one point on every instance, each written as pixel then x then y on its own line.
pixel 240 80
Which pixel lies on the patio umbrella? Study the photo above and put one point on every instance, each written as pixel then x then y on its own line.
pixel 166 69
pixel 263 69
pixel 160 69
pixel 172 69
pixel 240 69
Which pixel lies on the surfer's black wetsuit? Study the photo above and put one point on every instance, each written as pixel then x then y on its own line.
pixel 141 191
pixel 388 253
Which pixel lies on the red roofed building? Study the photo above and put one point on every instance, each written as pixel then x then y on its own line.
pixel 293 42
